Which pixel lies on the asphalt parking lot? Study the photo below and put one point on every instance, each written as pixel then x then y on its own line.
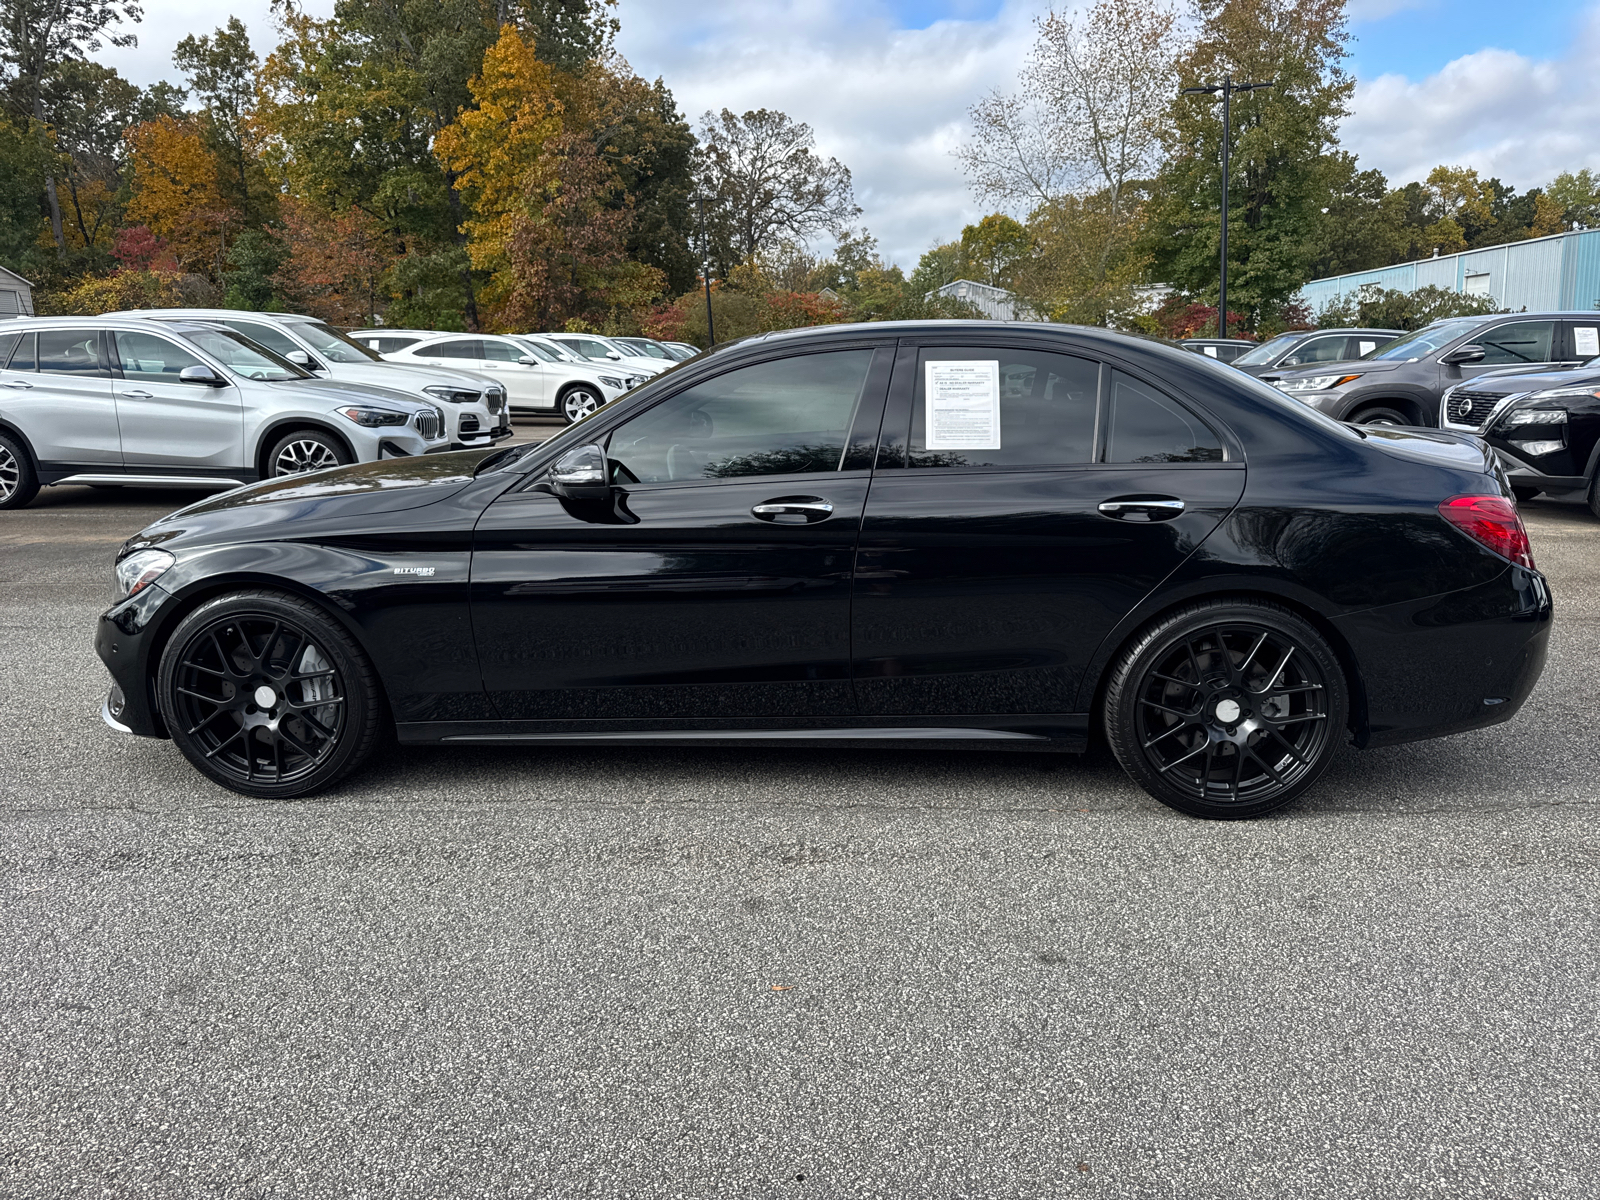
pixel 757 973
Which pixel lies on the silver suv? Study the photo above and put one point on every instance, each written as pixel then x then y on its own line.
pixel 110 401
pixel 474 404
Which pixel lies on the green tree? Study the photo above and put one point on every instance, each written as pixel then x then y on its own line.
pixel 992 249
pixel 222 69
pixel 1578 194
pixel 1363 223
pixel 1388 308
pixel 1280 138
pixel 938 266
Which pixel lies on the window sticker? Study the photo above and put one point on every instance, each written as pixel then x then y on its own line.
pixel 1586 340
pixel 1368 347
pixel 963 405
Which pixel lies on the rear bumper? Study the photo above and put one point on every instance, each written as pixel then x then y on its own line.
pixel 1452 663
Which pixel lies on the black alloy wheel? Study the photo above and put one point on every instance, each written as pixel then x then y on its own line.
pixel 1227 709
pixel 578 402
pixel 18 483
pixel 268 696
pixel 305 450
pixel 1381 416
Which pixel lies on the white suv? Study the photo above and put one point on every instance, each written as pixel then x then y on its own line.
pixel 113 401
pixel 599 349
pixel 474 404
pixel 537 380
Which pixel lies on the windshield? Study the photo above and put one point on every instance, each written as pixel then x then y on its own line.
pixel 333 345
pixel 535 349
pixel 591 348
pixel 644 346
pixel 244 357
pixel 1268 352
pixel 1425 341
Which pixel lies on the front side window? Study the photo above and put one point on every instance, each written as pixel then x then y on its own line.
pixel 70 352
pixel 245 357
pixel 784 417
pixel 982 406
pixel 1267 353
pixel 591 348
pixel 270 336
pixel 150 358
pixel 500 351
pixel 1143 426
pixel 1316 350
pixel 1519 342
pixel 538 351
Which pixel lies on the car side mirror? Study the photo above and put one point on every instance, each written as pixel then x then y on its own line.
pixel 528 360
pixel 299 358
pixel 613 356
pixel 581 473
pixel 203 375
pixel 1463 354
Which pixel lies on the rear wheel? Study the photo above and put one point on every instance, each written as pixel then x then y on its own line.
pixel 266 695
pixel 1524 494
pixel 1381 416
pixel 1227 709
pixel 578 402
pixel 1594 494
pixel 18 483
pixel 305 450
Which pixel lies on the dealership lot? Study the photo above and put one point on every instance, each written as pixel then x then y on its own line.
pixel 756 972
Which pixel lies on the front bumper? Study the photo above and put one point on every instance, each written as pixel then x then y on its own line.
pixel 1452 663
pixel 125 638
pixel 1524 474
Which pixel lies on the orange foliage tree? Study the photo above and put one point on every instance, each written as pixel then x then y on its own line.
pixel 177 194
pixel 335 261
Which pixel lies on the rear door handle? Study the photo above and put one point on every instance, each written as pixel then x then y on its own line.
pixel 794 510
pixel 1151 508
pixel 135 394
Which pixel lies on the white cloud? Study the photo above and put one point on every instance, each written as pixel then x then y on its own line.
pixel 889 103
pixel 1521 119
pixel 168 22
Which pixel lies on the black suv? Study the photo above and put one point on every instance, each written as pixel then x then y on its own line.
pixel 1403 382
pixel 1308 347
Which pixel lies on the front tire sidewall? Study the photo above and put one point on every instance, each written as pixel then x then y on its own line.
pixel 18 463
pixel 569 400
pixel 341 456
pixel 1150 647
pixel 365 714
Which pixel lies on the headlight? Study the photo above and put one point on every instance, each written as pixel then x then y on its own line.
pixel 610 382
pixel 451 395
pixel 1534 416
pixel 372 418
pixel 1316 383
pixel 142 568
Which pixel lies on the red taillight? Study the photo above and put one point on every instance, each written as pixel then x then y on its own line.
pixel 1490 521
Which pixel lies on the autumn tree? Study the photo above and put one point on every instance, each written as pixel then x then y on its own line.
pixel 177 193
pixel 222 69
pixel 763 179
pixel 1577 194
pixel 333 263
pixel 993 249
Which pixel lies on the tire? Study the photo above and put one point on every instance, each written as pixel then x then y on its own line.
pixel 305 450
pixel 1215 735
pixel 1524 494
pixel 19 483
pixel 1381 416
pixel 1594 494
pixel 578 402
pixel 326 714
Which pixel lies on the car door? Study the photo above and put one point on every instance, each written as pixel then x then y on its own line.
pixel 165 421
pixel 526 386
pixel 999 550
pixel 58 390
pixel 715 582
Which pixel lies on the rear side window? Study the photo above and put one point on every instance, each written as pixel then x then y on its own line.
pixel 982 406
pixel 70 352
pixel 24 358
pixel 1144 426
pixel 784 417
pixel 1521 342
pixel 464 348
pixel 8 343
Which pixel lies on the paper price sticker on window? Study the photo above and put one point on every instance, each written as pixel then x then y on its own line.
pixel 1585 341
pixel 963 405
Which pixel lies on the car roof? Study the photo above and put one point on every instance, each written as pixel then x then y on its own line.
pixel 182 324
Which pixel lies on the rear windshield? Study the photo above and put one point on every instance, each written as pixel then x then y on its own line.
pixel 1426 341
pixel 1268 352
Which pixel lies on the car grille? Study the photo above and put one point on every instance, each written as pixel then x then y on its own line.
pixel 428 424
pixel 494 399
pixel 1478 407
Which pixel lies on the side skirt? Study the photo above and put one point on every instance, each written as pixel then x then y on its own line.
pixel 1056 732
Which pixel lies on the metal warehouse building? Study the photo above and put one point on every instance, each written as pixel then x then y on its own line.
pixel 1560 273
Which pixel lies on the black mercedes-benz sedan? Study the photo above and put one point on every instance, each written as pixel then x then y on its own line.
pixel 937 535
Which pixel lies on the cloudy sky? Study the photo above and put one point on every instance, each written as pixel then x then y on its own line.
pixel 1507 88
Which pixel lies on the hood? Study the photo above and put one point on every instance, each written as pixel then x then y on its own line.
pixel 408 377
pixel 1353 366
pixel 1528 379
pixel 354 491
pixel 1436 447
pixel 345 391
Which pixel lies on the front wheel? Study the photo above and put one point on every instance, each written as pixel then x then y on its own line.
pixel 18 483
pixel 1381 416
pixel 578 402
pixel 1227 709
pixel 268 696
pixel 305 450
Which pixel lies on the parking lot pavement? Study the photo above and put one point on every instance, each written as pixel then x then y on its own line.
pixel 761 973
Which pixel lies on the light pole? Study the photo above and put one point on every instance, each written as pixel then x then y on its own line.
pixel 1227 87
pixel 705 272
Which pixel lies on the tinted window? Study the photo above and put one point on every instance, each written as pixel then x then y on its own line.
pixel 1268 352
pixel 145 356
pixel 500 351
pixel 463 348
pixel 1425 341
pixel 246 357
pixel 1321 349
pixel 70 352
pixel 1229 353
pixel 538 351
pixel 1519 342
pixel 590 348
pixel 8 342
pixel 23 358
pixel 1047 408
pixel 1146 427
pixel 774 418
pixel 270 336
pixel 332 344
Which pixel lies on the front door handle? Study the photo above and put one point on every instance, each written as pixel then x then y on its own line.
pixel 135 394
pixel 18 383
pixel 1150 508
pixel 794 510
